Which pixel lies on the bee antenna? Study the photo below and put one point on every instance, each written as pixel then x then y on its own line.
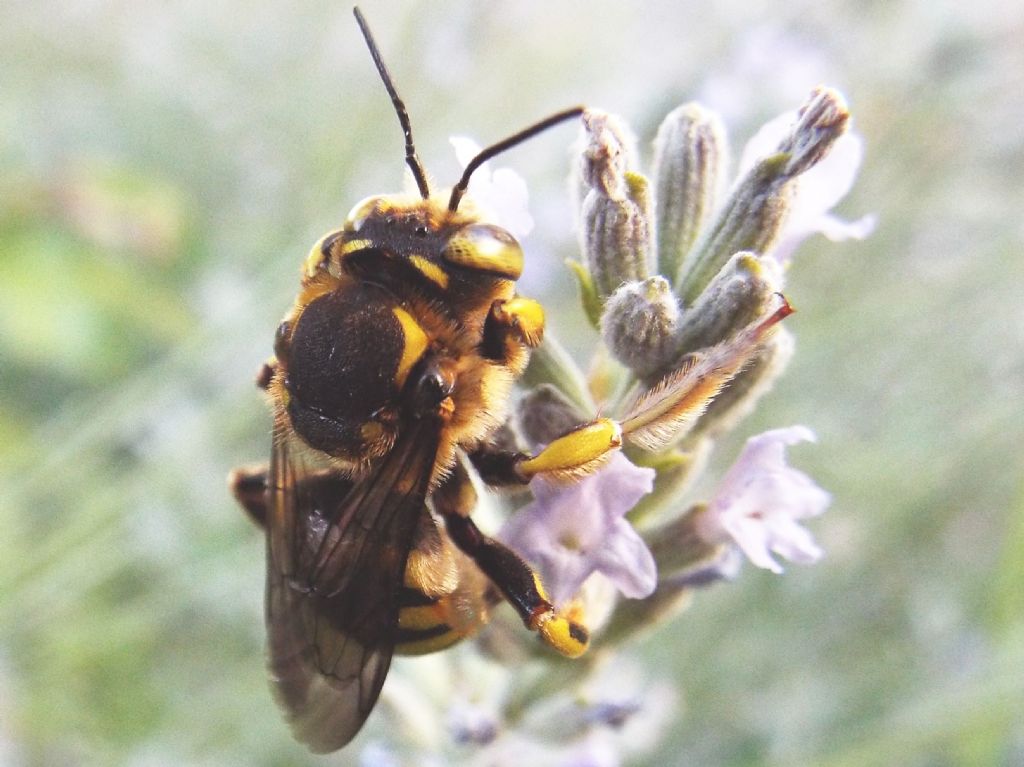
pixel 403 117
pixel 460 188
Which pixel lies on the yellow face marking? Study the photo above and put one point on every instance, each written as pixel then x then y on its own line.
pixel 415 343
pixel 353 245
pixel 430 270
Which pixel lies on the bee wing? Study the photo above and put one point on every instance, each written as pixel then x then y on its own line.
pixel 336 557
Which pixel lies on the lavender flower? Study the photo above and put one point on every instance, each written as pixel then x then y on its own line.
pixel 573 531
pixel 480 704
pixel 760 499
pixel 819 189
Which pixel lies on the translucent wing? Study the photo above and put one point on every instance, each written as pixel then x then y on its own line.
pixel 336 556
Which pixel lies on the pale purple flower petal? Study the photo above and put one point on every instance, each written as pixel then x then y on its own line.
pixel 572 531
pixel 500 194
pixel 760 499
pixel 819 189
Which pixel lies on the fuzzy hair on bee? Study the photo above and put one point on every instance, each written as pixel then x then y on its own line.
pixel 390 376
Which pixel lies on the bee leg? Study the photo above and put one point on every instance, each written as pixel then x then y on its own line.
pixel 575 454
pixel 520 585
pixel 510 327
pixel 266 373
pixel 249 486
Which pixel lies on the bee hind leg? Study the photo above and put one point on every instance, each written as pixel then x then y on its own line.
pixel 516 581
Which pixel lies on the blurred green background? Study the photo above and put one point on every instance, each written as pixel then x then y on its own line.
pixel 165 168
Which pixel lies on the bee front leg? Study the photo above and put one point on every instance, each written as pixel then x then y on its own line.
pixel 512 326
pixel 520 585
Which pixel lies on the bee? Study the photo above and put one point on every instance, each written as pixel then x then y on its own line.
pixel 390 377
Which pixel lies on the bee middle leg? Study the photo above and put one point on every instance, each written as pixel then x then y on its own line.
pixel 249 486
pixel 517 582
pixel 266 373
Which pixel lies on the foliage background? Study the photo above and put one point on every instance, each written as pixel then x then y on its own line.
pixel 164 169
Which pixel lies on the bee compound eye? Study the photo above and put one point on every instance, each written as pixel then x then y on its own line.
pixel 486 248
pixel 360 212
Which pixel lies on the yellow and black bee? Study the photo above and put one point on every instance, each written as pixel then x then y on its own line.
pixel 390 376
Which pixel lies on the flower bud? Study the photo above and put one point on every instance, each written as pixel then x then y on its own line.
pixel 545 413
pixel 821 120
pixel 607 153
pixel 690 154
pixel 615 228
pixel 754 214
pixel 742 291
pixel 640 325
pixel 616 235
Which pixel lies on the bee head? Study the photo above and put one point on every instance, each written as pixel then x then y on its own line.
pixel 434 240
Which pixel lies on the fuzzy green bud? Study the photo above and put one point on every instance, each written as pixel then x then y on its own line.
pixel 615 217
pixel 822 119
pixel 742 291
pixel 753 216
pixel 544 413
pixel 690 154
pixel 616 235
pixel 607 153
pixel 640 325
